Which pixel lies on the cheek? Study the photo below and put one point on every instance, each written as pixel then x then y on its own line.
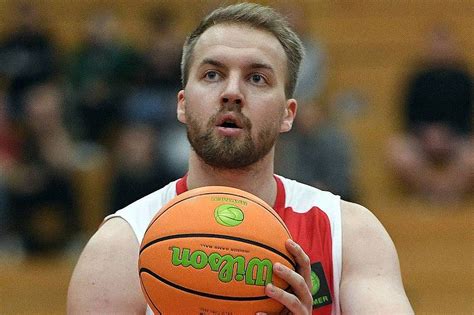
pixel 198 118
pixel 274 109
pixel 193 106
pixel 268 118
pixel 200 100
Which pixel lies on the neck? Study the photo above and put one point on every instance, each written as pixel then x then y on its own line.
pixel 257 179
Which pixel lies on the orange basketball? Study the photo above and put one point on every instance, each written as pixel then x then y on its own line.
pixel 211 251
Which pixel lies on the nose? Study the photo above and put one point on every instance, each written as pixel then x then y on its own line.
pixel 232 93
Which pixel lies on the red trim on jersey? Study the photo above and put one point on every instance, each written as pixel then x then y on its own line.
pixel 280 196
pixel 182 185
pixel 312 231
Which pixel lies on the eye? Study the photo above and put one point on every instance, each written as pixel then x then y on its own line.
pixel 211 75
pixel 257 78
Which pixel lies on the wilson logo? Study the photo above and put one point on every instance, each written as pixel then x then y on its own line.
pixel 254 272
pixel 228 215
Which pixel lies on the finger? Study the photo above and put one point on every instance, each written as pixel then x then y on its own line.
pixel 296 282
pixel 303 266
pixel 290 301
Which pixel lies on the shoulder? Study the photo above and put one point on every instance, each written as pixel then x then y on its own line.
pixel 361 228
pixel 356 216
pixel 105 279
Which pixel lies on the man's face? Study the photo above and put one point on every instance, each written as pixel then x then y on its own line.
pixel 234 102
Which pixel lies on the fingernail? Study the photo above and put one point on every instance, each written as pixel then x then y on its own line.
pixel 278 267
pixel 293 243
pixel 271 288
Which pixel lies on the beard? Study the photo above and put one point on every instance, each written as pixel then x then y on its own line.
pixel 224 152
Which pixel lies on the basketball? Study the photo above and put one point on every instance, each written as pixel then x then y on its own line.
pixel 211 250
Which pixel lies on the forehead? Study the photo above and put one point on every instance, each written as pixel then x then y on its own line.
pixel 240 43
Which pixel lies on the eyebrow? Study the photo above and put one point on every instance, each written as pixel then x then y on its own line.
pixel 212 62
pixel 254 65
pixel 260 65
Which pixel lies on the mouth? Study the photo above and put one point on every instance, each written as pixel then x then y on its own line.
pixel 229 124
pixel 229 121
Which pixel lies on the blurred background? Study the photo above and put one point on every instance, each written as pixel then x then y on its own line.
pixel 87 125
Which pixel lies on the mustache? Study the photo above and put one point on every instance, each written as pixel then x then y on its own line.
pixel 231 107
pixel 236 110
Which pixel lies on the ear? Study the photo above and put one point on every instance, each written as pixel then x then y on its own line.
pixel 181 108
pixel 289 115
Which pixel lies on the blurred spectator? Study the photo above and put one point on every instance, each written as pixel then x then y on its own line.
pixel 100 70
pixel 175 149
pixel 27 56
pixel 152 99
pixel 9 155
pixel 138 170
pixel 317 152
pixel 313 69
pixel 40 187
pixel 153 96
pixel 435 154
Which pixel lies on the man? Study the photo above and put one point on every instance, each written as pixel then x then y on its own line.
pixel 433 156
pixel 239 71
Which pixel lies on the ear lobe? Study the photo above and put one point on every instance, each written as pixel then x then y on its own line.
pixel 289 115
pixel 181 108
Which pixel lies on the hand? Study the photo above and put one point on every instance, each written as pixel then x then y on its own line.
pixel 300 301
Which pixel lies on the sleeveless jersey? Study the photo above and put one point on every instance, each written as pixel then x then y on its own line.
pixel 313 217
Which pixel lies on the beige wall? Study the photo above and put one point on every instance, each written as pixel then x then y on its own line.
pixel 370 46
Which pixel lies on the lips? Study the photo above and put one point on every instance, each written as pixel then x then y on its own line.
pixel 229 120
